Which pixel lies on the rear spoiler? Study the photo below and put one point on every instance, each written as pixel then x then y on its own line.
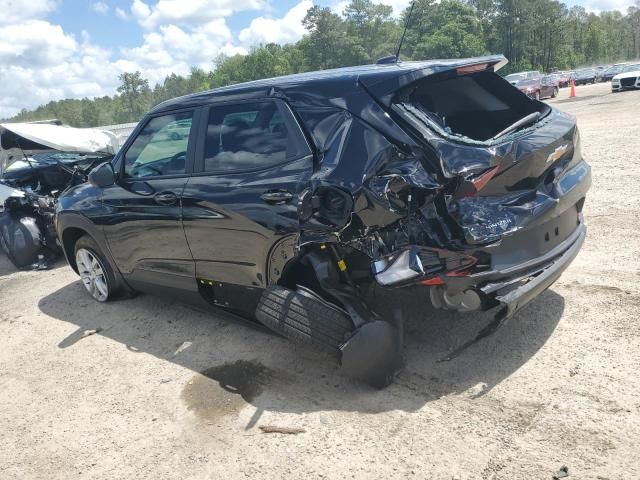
pixel 384 90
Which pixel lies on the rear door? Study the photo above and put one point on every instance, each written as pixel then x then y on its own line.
pixel 144 222
pixel 251 166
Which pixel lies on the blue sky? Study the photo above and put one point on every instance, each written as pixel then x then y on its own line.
pixel 53 49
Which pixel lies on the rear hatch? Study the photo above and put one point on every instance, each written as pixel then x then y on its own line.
pixel 510 164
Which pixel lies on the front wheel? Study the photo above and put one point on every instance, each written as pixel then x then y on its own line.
pixel 555 92
pixel 95 272
pixel 537 95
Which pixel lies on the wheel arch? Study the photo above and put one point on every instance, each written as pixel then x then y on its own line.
pixel 73 226
pixel 70 237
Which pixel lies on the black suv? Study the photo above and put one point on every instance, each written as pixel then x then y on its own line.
pixel 284 200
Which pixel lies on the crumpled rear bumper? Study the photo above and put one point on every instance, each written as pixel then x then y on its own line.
pixel 516 293
pixel 516 285
pixel 515 288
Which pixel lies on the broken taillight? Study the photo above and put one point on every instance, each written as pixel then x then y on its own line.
pixel 422 265
pixel 471 187
pixel 472 68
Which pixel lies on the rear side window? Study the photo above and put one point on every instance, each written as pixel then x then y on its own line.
pixel 249 136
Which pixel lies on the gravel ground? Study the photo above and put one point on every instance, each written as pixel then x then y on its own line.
pixel 166 391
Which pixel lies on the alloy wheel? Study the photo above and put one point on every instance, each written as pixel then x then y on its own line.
pixel 92 274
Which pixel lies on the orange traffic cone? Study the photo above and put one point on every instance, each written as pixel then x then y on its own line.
pixel 573 88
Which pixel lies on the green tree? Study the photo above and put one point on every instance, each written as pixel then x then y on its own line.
pixel 448 29
pixel 328 44
pixel 134 97
pixel 372 31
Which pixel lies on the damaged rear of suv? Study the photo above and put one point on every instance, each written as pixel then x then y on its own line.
pixel 296 194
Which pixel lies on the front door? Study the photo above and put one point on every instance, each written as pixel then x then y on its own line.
pixel 144 222
pixel 242 199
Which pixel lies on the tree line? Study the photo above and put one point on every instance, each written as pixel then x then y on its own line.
pixel 532 34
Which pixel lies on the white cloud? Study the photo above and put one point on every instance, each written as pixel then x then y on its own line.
pixel 14 11
pixel 397 5
pixel 120 13
pixel 172 49
pixel 44 63
pixel 339 7
pixel 287 29
pixel 35 43
pixel 598 6
pixel 100 7
pixel 191 12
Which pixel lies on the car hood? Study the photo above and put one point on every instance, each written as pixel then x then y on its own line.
pixel 56 137
pixel 18 140
pixel 633 74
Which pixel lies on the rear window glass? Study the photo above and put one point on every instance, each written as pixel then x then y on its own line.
pixel 476 106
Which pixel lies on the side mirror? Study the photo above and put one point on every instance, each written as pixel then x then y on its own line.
pixel 102 176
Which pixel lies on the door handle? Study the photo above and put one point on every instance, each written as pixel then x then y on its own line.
pixel 277 196
pixel 166 198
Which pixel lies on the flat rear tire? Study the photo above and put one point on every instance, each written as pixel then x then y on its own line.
pixel 304 317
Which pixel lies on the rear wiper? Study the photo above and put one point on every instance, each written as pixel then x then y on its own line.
pixel 528 120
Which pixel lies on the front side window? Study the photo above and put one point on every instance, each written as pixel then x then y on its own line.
pixel 249 136
pixel 160 148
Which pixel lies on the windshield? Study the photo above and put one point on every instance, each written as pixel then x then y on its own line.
pixel 631 68
pixel 515 77
pixel 585 72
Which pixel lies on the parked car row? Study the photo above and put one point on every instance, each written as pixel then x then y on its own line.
pixel 563 78
pixel 537 85
pixel 586 76
pixel 534 84
pixel 610 72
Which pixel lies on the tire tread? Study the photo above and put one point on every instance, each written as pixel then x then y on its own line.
pixel 304 319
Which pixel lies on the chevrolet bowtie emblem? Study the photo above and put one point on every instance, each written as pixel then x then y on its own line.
pixel 557 153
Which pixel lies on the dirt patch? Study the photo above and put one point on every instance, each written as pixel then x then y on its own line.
pixel 225 389
pixel 575 99
pixel 595 288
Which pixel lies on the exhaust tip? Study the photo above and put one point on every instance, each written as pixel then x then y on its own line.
pixel 466 301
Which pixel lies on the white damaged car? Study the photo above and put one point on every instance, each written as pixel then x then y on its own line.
pixel 628 78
